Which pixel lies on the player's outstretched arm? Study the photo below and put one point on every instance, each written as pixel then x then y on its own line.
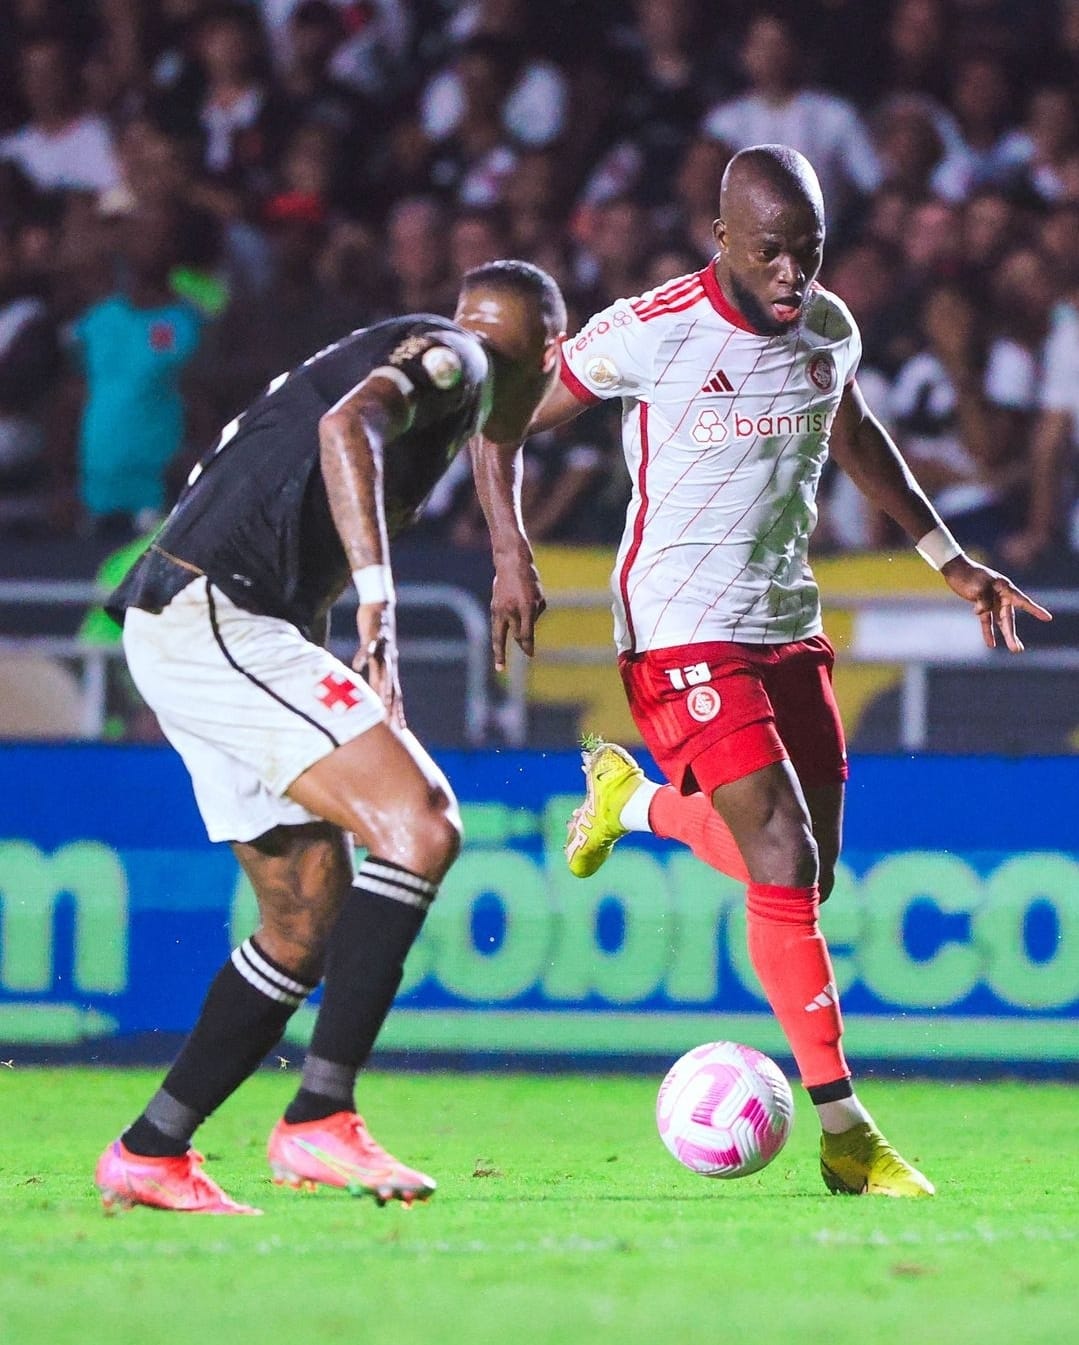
pixel 869 456
pixel 517 599
pixel 351 439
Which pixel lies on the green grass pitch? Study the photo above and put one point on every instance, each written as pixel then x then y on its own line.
pixel 559 1219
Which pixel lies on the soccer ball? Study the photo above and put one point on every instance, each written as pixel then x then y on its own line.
pixel 724 1110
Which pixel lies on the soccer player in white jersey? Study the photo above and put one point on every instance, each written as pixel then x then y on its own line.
pixel 736 382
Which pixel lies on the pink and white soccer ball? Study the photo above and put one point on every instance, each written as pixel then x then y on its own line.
pixel 724 1110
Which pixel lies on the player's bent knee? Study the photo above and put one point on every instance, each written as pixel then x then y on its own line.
pixel 423 837
pixel 441 836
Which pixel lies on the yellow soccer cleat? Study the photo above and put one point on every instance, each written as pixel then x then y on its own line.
pixel 861 1162
pixel 611 777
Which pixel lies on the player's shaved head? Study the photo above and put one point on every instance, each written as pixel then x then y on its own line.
pixel 529 282
pixel 765 175
pixel 770 234
pixel 518 312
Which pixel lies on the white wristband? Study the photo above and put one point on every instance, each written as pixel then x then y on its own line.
pixel 938 547
pixel 374 583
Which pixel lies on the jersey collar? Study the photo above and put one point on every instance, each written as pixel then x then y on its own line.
pixel 720 302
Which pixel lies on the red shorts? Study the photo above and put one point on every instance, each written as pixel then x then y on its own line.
pixel 712 713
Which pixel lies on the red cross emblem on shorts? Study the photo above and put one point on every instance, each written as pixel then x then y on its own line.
pixel 338 693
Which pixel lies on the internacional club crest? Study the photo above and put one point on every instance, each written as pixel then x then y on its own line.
pixel 821 372
pixel 703 704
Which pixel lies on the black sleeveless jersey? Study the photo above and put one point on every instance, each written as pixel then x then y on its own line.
pixel 255 518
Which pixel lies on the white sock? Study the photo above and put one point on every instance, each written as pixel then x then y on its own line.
pixel 634 814
pixel 841 1115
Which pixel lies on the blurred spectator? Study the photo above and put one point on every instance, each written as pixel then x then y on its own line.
pixel 1058 238
pixel 354 266
pixel 916 59
pixel 778 109
pixel 1051 517
pixel 1019 31
pixel 696 199
pixel 62 145
pixel 866 277
pixel 112 73
pixel 469 164
pixel 240 114
pixel 529 105
pixel 312 93
pixel 980 100
pixel 574 483
pixel 912 148
pixel 476 237
pixel 262 334
pixel 574 488
pixel 132 348
pixel 940 415
pixel 1022 299
pixel 161 169
pixel 309 165
pixel 175 76
pixel 416 238
pixel 369 56
pixel 616 238
pixel 1038 152
pixel 990 222
pixel 932 245
pixel 669 78
pixel 28 368
pixel 887 216
pixel 1063 58
pixel 534 195
pixel 388 145
pixel 668 261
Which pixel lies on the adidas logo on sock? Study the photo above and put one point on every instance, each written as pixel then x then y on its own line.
pixel 827 997
pixel 719 382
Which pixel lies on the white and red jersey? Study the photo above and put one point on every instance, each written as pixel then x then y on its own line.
pixel 725 434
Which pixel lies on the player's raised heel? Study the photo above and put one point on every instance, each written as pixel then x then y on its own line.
pixel 339 1151
pixel 126 1179
pixel 861 1162
pixel 611 777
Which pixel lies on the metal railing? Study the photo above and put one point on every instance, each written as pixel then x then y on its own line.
pixel 914 693
pixel 488 718
pixel 470 650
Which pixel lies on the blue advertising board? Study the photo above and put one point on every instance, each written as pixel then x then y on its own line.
pixel 954 925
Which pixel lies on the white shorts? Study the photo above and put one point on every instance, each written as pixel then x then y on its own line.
pixel 247 702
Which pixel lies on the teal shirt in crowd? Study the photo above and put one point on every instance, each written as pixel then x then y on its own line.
pixel 133 420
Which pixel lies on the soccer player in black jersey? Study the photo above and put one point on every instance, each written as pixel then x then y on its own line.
pixel 291 753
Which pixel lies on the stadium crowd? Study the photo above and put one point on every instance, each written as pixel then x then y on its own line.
pixel 195 196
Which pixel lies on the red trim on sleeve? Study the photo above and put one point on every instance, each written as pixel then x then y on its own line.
pixel 638 528
pixel 720 302
pixel 571 381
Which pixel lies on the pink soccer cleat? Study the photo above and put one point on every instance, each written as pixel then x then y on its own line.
pixel 338 1150
pixel 126 1179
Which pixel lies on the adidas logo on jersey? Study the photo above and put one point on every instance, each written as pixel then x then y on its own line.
pixel 719 382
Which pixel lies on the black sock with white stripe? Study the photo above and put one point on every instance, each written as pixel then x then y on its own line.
pixel 378 924
pixel 245 1012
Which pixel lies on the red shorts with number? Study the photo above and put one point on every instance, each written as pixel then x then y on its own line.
pixel 712 713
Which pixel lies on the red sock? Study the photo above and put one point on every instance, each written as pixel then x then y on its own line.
pixel 791 959
pixel 690 818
